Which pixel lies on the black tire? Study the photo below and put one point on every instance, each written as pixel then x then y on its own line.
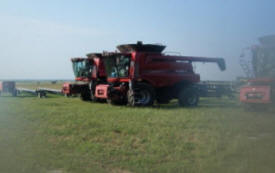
pixel 85 96
pixel 188 97
pixel 142 95
pixel 163 100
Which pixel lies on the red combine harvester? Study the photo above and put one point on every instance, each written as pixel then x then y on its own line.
pixel 260 69
pixel 139 74
pixel 8 87
pixel 87 71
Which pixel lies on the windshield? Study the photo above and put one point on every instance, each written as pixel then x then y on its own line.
pixel 117 65
pixel 82 68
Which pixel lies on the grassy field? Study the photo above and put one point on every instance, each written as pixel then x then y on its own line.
pixel 63 135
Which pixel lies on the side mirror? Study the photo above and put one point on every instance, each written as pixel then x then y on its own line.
pixel 221 64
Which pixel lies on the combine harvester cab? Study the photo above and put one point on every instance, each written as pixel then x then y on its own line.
pixel 140 74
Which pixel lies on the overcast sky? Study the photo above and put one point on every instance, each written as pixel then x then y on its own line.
pixel 38 38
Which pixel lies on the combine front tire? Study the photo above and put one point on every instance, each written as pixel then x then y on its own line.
pixel 188 97
pixel 85 96
pixel 142 95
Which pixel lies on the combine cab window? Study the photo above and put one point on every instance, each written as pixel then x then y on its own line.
pixel 82 68
pixel 117 65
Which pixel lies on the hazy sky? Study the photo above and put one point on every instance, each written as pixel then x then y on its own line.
pixel 38 38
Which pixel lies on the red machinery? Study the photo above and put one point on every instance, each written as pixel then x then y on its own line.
pixel 140 74
pixel 87 71
pixel 260 69
pixel 8 87
pixel 258 91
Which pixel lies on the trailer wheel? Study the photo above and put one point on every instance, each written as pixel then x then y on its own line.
pixel 188 97
pixel 142 95
pixel 41 94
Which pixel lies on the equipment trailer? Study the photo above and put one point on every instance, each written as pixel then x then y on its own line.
pixel 40 92
pixel 9 87
pixel 216 89
pixel 139 74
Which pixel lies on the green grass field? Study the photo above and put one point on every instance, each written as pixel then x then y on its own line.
pixel 66 135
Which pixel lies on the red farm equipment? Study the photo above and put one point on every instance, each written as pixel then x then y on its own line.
pixel 139 74
pixel 258 91
pixel 8 87
pixel 260 70
pixel 87 71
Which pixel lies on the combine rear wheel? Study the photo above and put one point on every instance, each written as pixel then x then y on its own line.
pixel 188 97
pixel 142 95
